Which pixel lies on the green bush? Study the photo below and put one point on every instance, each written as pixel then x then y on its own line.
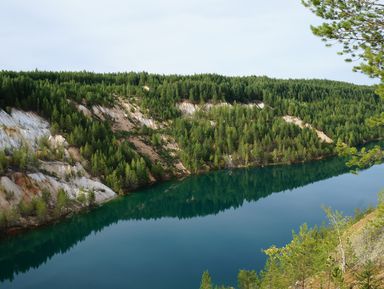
pixel 62 201
pixel 41 209
pixel 81 198
pixel 26 208
pixel 91 198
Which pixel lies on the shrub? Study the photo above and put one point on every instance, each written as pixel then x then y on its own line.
pixel 41 209
pixel 46 196
pixel 62 201
pixel 81 198
pixel 91 198
pixel 26 208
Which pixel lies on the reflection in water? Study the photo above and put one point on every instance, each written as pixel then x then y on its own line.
pixel 195 196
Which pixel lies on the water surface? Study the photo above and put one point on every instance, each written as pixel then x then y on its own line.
pixel 167 235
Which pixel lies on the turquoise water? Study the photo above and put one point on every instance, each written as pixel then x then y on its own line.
pixel 167 235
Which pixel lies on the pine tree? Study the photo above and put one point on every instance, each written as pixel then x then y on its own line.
pixel 206 282
pixel 367 277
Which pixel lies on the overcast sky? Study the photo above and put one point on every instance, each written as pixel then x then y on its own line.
pixel 242 37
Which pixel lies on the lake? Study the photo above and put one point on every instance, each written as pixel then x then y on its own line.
pixel 165 236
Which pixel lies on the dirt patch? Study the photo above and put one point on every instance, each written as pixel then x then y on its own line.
pixel 29 189
pixel 74 153
pixel 118 116
pixel 298 122
pixel 144 149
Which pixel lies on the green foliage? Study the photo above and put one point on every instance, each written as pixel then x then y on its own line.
pixel 224 136
pixel 3 162
pixel 41 209
pixel 82 198
pixel 206 281
pixel 26 208
pixel 91 198
pixel 62 201
pixel 248 135
pixel 46 196
pixel 22 158
pixel 358 27
pixel 9 217
pixel 367 278
pixel 248 280
pixel 307 254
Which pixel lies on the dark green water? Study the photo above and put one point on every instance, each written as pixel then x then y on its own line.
pixel 167 235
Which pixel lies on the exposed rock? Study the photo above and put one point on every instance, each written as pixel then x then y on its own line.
pixel 84 110
pixel 21 127
pixel 63 170
pixel 57 141
pixel 297 121
pixel 73 187
pixel 187 108
pixel 182 169
pixel 9 187
pixel 118 116
pixel 260 105
pixel 102 192
pixel 74 153
pixel 365 244
pixel 136 114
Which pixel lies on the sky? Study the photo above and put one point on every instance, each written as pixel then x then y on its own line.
pixel 242 37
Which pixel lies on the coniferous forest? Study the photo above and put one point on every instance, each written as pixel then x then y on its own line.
pixel 233 132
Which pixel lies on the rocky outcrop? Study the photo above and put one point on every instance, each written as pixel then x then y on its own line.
pixel 297 121
pixel 187 108
pixel 21 128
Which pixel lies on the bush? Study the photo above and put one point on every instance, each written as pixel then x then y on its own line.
pixel 91 198
pixel 41 209
pixel 26 208
pixel 46 196
pixel 62 201
pixel 9 217
pixel 81 198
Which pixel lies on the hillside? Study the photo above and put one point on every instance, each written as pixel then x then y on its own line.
pixel 70 141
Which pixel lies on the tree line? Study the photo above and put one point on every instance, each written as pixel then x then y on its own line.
pixel 236 135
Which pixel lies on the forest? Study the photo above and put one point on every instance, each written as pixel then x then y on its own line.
pixel 238 134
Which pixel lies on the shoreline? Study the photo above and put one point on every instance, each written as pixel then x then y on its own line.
pixel 30 226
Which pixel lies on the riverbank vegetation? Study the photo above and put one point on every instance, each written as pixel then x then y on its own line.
pixel 129 130
pixel 345 254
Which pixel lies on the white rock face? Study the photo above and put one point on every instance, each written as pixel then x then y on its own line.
pixel 297 121
pixel 84 110
pixel 73 186
pixel 9 186
pixel 135 113
pixel 57 141
pixel 62 170
pixel 102 192
pixel 21 127
pixel 188 108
